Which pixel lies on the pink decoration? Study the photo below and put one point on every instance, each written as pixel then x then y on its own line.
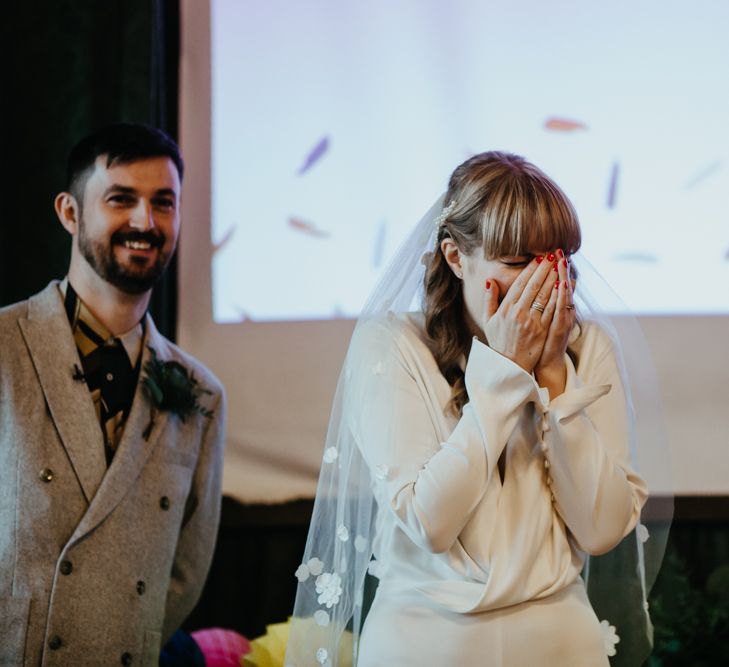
pixel 221 648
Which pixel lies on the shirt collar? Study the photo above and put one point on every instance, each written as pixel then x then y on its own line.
pixel 131 340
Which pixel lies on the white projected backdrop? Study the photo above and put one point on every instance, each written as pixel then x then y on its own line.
pixel 318 132
pixel 336 124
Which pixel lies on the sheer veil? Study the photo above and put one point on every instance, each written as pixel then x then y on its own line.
pixel 335 576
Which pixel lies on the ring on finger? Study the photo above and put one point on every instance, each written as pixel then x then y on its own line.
pixel 570 306
pixel 537 305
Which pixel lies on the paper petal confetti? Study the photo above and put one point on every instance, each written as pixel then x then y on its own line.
pixel 217 247
pixel 314 155
pixel 557 124
pixel 613 185
pixel 703 174
pixel 307 228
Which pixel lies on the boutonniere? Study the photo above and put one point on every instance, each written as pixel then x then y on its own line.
pixel 172 388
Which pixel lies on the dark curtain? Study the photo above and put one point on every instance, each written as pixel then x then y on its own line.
pixel 71 66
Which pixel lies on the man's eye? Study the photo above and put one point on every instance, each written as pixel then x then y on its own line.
pixel 164 203
pixel 121 199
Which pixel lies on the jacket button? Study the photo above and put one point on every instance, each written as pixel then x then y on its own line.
pixel 126 659
pixel 66 567
pixel 45 475
pixel 164 503
pixel 141 587
pixel 54 643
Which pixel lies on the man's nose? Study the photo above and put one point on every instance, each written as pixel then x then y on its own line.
pixel 142 216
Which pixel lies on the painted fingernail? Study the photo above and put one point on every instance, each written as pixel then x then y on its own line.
pixel 564 263
pixel 556 285
pixel 560 253
pixel 554 268
pixel 550 257
pixel 539 259
pixel 565 284
pixel 488 284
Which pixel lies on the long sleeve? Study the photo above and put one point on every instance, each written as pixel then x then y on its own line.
pixel 196 542
pixel 586 433
pixel 431 485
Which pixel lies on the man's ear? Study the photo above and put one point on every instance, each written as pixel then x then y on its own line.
pixel 452 255
pixel 67 210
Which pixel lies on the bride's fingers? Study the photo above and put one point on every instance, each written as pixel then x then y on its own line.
pixel 529 285
pixel 551 307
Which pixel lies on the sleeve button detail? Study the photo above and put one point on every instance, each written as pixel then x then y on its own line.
pixel 164 503
pixel 141 587
pixel 55 642
pixel 126 659
pixel 66 567
pixel 46 475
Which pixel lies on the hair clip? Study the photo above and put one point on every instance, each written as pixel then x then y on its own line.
pixel 447 210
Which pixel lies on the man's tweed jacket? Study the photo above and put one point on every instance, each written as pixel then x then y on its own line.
pixel 97 566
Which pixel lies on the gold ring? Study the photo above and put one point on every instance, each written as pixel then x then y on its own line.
pixel 570 306
pixel 538 306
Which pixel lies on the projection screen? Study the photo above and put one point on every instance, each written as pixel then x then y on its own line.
pixel 317 133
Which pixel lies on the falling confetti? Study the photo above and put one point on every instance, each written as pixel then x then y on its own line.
pixel 224 241
pixel 702 175
pixel 314 155
pixel 636 257
pixel 613 186
pixel 379 248
pixel 563 124
pixel 307 228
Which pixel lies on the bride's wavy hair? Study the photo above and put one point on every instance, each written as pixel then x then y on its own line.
pixel 507 207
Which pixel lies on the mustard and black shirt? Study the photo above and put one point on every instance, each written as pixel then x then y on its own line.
pixel 110 366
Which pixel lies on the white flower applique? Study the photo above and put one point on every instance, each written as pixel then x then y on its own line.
pixel 331 454
pixel 322 656
pixel 610 637
pixel 381 471
pixel 321 617
pixel 329 588
pixel 312 567
pixel 642 532
pixel 343 532
pixel 360 543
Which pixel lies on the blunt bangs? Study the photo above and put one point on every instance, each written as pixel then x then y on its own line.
pixel 527 214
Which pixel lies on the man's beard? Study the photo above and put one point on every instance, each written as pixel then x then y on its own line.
pixel 135 277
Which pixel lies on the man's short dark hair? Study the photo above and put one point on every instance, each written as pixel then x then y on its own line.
pixel 121 143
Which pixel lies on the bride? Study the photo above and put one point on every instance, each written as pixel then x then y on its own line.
pixel 479 447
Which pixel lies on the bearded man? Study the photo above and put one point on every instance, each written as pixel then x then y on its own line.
pixel 111 437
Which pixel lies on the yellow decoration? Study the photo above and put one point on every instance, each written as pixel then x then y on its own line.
pixel 270 649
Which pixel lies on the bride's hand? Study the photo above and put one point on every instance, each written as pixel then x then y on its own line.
pixel 550 370
pixel 515 327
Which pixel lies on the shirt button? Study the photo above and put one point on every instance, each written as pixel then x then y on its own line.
pixel 54 643
pixel 46 475
pixel 109 377
pixel 141 587
pixel 66 567
pixel 126 659
pixel 164 503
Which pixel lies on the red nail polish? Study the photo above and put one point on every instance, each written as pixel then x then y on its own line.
pixel 488 284
pixel 560 253
pixel 565 284
pixel 556 285
pixel 564 263
pixel 554 268
pixel 550 257
pixel 539 259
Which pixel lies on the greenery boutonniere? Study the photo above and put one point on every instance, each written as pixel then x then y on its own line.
pixel 172 388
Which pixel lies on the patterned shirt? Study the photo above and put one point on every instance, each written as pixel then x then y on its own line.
pixel 110 366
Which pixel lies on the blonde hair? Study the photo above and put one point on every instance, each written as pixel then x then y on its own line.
pixel 508 207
